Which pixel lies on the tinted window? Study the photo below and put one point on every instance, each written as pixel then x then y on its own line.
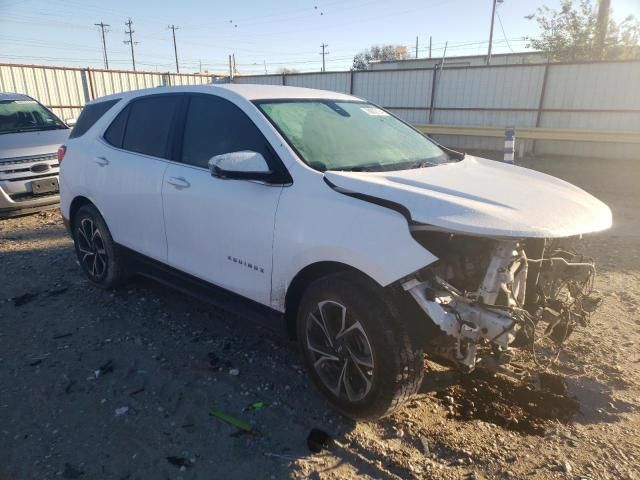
pixel 214 126
pixel 115 132
pixel 149 125
pixel 90 115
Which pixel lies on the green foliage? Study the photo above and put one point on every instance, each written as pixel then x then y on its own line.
pixel 571 34
pixel 378 53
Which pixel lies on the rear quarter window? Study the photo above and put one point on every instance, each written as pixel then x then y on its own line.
pixel 90 115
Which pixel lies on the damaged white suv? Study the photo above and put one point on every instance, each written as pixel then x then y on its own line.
pixel 372 243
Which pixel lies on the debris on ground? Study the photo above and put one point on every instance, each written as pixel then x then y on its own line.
pixel 515 406
pixel 318 440
pixel 121 411
pixel 103 369
pixel 230 419
pixel 255 406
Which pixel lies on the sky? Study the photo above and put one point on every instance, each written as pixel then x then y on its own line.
pixel 263 35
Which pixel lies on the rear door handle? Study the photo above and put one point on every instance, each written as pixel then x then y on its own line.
pixel 178 182
pixel 102 161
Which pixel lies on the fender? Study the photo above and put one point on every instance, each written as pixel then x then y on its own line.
pixel 370 237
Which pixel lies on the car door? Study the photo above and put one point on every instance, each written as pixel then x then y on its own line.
pixel 129 164
pixel 217 229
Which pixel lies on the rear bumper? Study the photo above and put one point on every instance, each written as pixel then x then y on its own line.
pixel 12 208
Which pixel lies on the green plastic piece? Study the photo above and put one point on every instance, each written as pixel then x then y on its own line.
pixel 236 422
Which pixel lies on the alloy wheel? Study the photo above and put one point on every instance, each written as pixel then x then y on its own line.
pixel 340 350
pixel 93 254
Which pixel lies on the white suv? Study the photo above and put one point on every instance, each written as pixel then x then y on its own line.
pixel 373 244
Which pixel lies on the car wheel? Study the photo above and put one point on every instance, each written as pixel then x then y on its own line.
pixel 95 248
pixel 356 348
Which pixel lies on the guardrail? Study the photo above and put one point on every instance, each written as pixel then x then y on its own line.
pixel 531 133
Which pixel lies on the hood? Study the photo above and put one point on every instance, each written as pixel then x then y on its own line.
pixel 482 197
pixel 28 144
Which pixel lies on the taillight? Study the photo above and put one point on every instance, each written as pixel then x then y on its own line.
pixel 61 151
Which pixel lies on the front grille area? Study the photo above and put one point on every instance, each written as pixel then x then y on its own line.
pixel 19 169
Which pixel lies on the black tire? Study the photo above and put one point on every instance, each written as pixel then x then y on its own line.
pixel 396 365
pixel 95 248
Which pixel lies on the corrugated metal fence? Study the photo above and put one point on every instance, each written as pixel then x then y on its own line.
pixel 589 96
pixel 66 90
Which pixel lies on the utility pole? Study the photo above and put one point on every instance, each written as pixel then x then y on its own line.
pixel 493 18
pixel 602 27
pixel 430 38
pixel 416 46
pixel 104 43
pixel 265 68
pixel 323 46
pixel 173 29
pixel 130 32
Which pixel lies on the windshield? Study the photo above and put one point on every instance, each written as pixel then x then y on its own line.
pixel 26 116
pixel 356 136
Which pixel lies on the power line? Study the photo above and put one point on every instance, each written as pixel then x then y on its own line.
pixel 102 25
pixel 130 32
pixel 173 29
pixel 504 34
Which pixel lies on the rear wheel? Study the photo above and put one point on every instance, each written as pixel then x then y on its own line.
pixel 356 348
pixel 95 248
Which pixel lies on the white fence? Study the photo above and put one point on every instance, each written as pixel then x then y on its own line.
pixel 66 90
pixel 599 96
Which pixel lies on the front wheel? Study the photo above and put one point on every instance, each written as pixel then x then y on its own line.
pixel 356 348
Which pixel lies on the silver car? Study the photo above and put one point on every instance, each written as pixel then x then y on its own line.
pixel 30 135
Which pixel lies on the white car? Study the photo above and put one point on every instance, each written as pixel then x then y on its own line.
pixel 371 243
pixel 30 135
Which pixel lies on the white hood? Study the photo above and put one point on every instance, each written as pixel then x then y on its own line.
pixel 483 197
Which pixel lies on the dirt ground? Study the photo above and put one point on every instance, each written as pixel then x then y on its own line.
pixel 120 385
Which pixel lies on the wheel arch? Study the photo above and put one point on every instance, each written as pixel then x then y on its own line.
pixel 304 278
pixel 77 203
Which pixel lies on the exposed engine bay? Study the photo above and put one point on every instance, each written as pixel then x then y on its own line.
pixel 488 296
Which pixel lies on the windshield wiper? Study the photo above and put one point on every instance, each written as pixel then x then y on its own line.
pixel 357 168
pixel 34 129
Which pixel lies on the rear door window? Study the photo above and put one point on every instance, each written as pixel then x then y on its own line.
pixel 214 126
pixel 148 127
pixel 90 115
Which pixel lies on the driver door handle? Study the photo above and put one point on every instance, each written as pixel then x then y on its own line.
pixel 102 161
pixel 178 182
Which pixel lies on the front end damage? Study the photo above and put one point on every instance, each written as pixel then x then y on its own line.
pixel 489 296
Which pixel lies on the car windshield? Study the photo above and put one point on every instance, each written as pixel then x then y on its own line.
pixel 350 135
pixel 26 116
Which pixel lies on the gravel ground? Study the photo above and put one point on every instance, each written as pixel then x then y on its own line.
pixel 120 385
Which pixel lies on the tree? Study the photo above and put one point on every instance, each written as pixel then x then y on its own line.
pixel 286 70
pixel 573 34
pixel 378 53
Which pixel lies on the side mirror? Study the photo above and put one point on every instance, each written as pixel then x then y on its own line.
pixel 71 122
pixel 243 165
